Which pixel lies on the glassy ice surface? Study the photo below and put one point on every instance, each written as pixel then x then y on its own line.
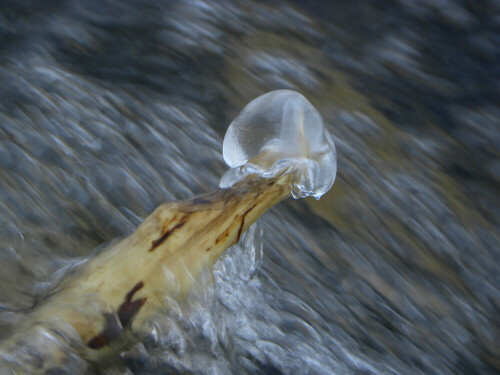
pixel 281 131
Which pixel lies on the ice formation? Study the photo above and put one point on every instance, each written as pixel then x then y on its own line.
pixel 281 131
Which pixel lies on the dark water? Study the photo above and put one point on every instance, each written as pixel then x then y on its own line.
pixel 109 108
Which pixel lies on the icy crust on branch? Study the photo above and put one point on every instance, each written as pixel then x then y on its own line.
pixel 277 132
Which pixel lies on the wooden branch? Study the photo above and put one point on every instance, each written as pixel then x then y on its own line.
pixel 119 289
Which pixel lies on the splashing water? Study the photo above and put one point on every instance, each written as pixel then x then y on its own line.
pixel 281 131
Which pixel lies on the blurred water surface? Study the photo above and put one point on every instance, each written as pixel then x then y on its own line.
pixel 109 108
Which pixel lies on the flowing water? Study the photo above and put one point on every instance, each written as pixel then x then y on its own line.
pixel 109 108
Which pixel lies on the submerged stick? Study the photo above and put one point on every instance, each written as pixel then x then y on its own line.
pixel 120 288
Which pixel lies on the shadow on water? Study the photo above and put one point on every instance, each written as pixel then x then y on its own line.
pixel 108 109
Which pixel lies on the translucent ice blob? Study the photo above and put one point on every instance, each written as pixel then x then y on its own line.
pixel 281 132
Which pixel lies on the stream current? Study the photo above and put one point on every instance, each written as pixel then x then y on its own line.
pixel 109 109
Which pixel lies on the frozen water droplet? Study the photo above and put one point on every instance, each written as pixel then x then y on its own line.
pixel 281 131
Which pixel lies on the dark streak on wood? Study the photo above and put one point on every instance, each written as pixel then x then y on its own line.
pixel 164 236
pixel 226 233
pixel 112 329
pixel 128 309
pixel 243 222
pixel 115 324
pixel 222 236
pixel 167 223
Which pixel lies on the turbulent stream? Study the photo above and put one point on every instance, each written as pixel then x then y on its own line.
pixel 110 108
